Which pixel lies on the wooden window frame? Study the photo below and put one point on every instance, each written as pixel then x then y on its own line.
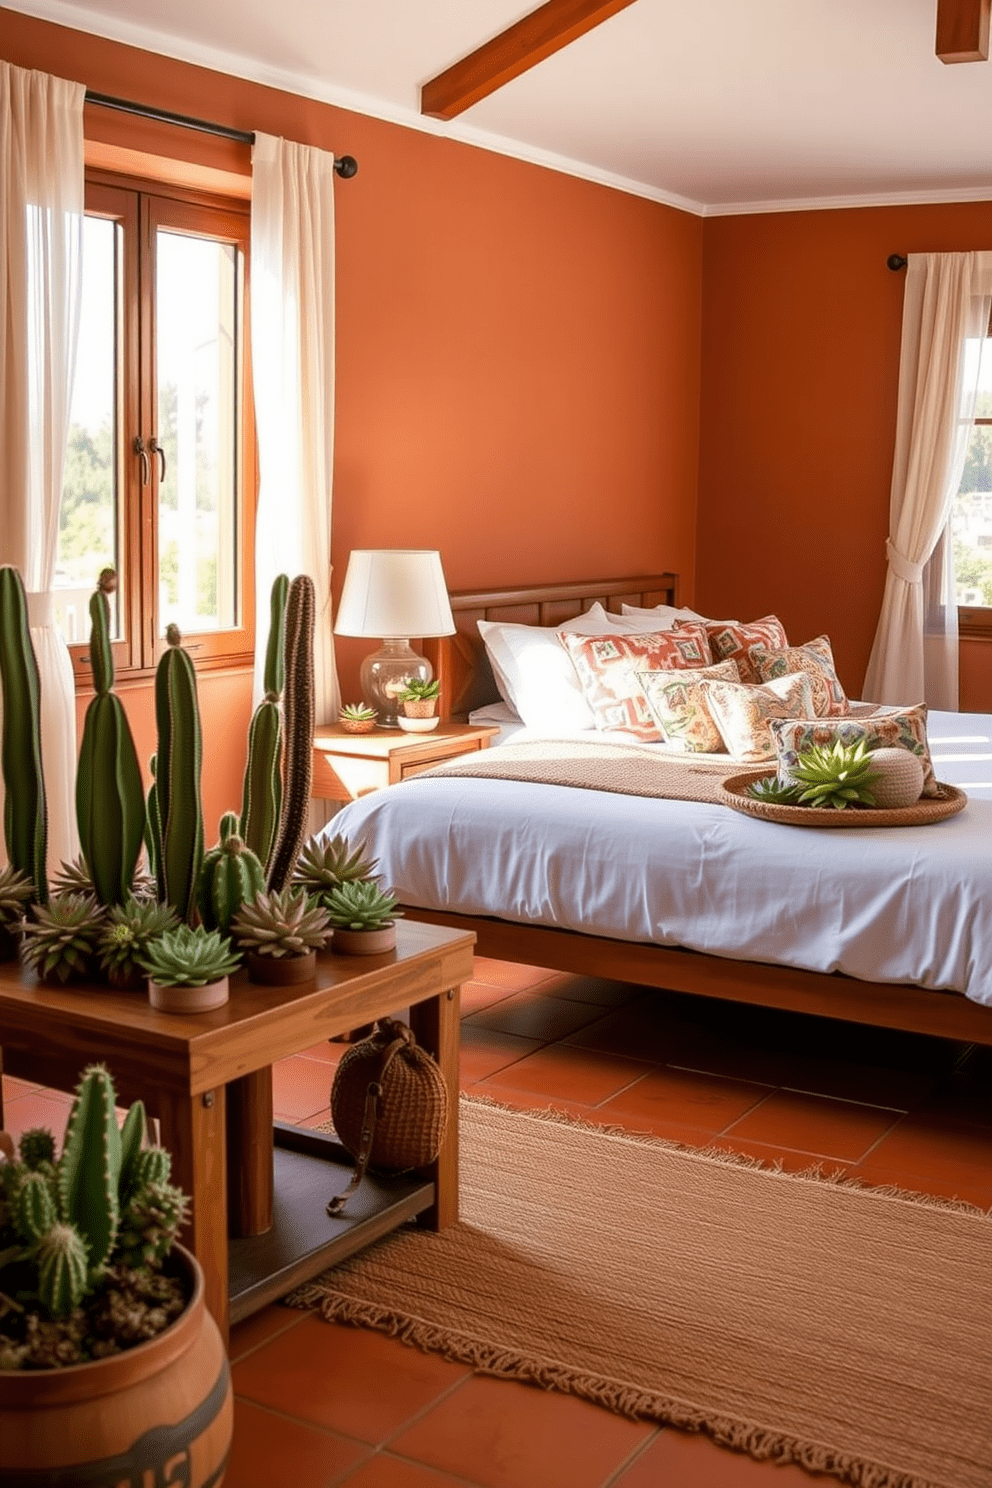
pixel 141 205
pixel 975 621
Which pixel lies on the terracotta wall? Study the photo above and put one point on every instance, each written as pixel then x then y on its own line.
pixel 518 351
pixel 801 329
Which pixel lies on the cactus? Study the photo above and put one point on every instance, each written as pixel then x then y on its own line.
pixel 90 1167
pixel 133 1134
pixel 36 1146
pixel 153 822
pixel 299 731
pixel 261 806
pixel 231 875
pixel 110 802
pixel 180 750
pixel 62 1269
pixel 35 1208
pixel 150 1224
pixel 25 814
pixel 153 1165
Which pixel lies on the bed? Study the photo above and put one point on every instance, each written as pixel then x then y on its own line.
pixel 683 946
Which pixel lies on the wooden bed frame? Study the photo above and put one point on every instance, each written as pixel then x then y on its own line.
pixel 467 683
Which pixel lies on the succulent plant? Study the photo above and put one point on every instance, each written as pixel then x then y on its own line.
pixel 418 689
pixel 178 830
pixel 776 792
pixel 62 936
pixel 25 817
pixel 298 708
pixel 189 958
pixel 127 931
pixel 357 713
pixel 230 875
pixel 281 924
pixel 66 1227
pixel 16 890
pixel 74 878
pixel 360 905
pixel 261 803
pixel 321 866
pixel 110 802
pixel 836 775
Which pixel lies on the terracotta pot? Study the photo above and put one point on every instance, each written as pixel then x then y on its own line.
pixel 420 707
pixel 357 725
pixel 281 971
pixel 364 942
pixel 158 1413
pixel 188 999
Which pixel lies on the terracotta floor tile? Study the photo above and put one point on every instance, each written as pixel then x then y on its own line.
pixel 509 974
pixel 317 1120
pixel 271 1452
pixel 327 1052
pixel 573 1073
pixel 529 1015
pixel 50 1109
pixel 644 1028
pixel 667 1094
pixel 792 1160
pixel 681 1459
pixel 482 1052
pixel 502 1434
pixel 246 1336
pixel 347 1379
pixel 12 1087
pixel 597 990
pixel 477 995
pixel 385 1471
pixel 300 1087
pixel 935 1146
pixel 975 1190
pixel 527 1100
pixel 812 1123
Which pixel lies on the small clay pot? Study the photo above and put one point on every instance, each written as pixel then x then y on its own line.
pixel 364 942
pixel 281 971
pixel 420 707
pixel 188 999
pixel 357 725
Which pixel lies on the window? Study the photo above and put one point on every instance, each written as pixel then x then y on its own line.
pixel 971 511
pixel 160 465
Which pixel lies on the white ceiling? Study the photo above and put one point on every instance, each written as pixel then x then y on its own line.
pixel 714 105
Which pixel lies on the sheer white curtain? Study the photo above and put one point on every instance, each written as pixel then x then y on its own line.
pixel 41 241
pixel 945 321
pixel 292 344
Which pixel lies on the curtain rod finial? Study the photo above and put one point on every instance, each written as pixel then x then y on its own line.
pixel 896 261
pixel 346 166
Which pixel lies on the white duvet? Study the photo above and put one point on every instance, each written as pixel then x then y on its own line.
pixel 899 905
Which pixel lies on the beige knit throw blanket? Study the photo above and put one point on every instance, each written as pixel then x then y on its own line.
pixel 624 769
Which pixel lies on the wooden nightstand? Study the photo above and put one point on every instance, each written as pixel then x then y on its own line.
pixel 346 766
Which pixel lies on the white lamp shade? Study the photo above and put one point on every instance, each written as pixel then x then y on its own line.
pixel 391 592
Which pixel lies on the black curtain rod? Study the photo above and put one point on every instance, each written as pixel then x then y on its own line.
pixel 896 261
pixel 345 166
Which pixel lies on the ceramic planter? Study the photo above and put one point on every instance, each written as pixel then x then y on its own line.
pixel 160 1412
pixel 281 971
pixel 420 707
pixel 188 999
pixel 417 725
pixel 357 725
pixel 364 942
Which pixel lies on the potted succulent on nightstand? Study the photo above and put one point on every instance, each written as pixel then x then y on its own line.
pixel 16 890
pixel 364 918
pixel 125 936
pixel 111 1369
pixel 419 699
pixel 280 935
pixel 188 970
pixel 357 718
pixel 61 938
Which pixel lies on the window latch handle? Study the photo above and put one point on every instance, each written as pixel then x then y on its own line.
pixel 157 449
pixel 142 453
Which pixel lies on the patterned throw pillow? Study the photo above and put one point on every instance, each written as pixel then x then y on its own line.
pixel 744 713
pixel 678 701
pixel 817 660
pixel 730 640
pixel 888 728
pixel 607 668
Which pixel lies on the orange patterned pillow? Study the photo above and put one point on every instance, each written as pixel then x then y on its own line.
pixel 816 659
pixel 730 640
pixel 607 668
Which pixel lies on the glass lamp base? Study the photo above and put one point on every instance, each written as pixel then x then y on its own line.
pixel 385 674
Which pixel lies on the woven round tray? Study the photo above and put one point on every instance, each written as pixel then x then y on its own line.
pixel 928 809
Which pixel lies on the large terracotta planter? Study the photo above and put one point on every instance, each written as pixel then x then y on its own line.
pixel 159 1413
pixel 186 1000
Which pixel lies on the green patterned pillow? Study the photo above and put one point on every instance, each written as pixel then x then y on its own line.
pixel 678 701
pixel 888 728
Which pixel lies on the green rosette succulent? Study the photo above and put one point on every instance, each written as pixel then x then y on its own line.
pixel 128 931
pixel 61 938
pixel 360 905
pixel 187 957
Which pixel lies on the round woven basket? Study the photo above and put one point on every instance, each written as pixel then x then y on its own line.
pixel 921 814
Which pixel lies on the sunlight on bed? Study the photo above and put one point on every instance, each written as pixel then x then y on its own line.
pixel 959 751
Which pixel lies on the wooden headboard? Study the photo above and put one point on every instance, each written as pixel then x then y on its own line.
pixel 460 662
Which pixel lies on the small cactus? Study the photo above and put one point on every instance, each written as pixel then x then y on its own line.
pixel 150 1224
pixel 36 1146
pixel 179 828
pixel 152 1165
pixel 90 1167
pixel 63 1268
pixel 231 875
pixel 36 1211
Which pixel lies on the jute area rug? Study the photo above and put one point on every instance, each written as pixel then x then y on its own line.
pixel 844 1328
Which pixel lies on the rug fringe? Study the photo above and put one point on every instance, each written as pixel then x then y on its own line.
pixel 815 1172
pixel 622 1399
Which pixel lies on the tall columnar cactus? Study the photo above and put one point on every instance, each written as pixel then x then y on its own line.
pixel 261 804
pixel 231 875
pixel 153 823
pixel 90 1166
pixel 25 812
pixel 179 825
pixel 299 719
pixel 110 802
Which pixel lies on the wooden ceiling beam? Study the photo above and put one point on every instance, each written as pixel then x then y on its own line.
pixel 515 50
pixel 963 30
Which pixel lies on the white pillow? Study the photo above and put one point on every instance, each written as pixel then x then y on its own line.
pixel 535 674
pixel 662 617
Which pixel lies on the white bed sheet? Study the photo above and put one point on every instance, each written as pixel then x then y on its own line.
pixel 900 905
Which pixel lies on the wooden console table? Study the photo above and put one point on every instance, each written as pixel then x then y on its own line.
pixel 208 1079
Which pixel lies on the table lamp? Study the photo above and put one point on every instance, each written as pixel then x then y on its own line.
pixel 393 594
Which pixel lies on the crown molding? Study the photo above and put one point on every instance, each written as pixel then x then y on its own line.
pixel 943 197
